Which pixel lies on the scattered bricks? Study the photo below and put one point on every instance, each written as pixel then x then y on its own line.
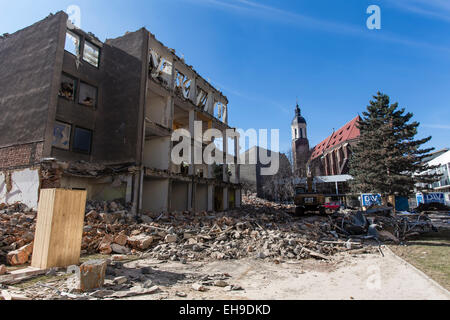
pixel 121 239
pixel 170 238
pixel 141 241
pixel 20 256
pixel 92 275
pixel 2 269
pixel 105 245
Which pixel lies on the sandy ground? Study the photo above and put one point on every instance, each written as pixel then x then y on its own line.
pixel 361 277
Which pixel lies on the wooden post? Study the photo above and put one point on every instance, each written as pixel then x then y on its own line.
pixel 59 228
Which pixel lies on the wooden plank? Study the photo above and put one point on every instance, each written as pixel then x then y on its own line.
pixel 43 228
pixel 8 296
pixel 20 275
pixel 59 228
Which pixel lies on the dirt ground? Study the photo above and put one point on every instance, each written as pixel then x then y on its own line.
pixel 345 277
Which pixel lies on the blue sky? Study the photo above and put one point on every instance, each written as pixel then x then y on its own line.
pixel 265 54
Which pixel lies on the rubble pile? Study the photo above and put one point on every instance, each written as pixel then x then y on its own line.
pixel 382 224
pixel 260 229
pixel 109 279
pixel 17 225
pixel 434 206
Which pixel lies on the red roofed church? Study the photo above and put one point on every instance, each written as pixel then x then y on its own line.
pixel 329 157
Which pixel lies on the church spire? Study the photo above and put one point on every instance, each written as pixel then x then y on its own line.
pixel 297 110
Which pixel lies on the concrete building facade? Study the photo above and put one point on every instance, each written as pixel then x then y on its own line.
pixel 85 114
pixel 251 175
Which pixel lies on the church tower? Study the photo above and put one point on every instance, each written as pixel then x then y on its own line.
pixel 300 143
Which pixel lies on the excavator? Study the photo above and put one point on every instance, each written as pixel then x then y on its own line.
pixel 306 198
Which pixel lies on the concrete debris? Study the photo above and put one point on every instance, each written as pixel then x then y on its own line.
pixel 181 294
pixel 119 249
pixel 220 283
pixel 198 287
pixel 120 280
pixel 260 228
pixel 13 296
pixel 92 275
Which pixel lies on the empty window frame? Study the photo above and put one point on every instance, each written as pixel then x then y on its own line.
pixel 91 54
pixel 82 140
pixel 72 43
pixel 68 87
pixel 61 135
pixel 88 95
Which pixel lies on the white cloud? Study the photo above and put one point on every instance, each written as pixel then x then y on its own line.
pixel 439 9
pixel 252 8
pixel 437 126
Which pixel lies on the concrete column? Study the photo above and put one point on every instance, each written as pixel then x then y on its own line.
pixel 225 114
pixel 129 191
pixel 225 199
pixel 193 90
pixel 191 197
pixel 237 166
pixel 210 103
pixel 192 116
pixel 169 195
pixel 225 149
pixel 238 198
pixel 138 181
pixel 168 113
pixel 210 197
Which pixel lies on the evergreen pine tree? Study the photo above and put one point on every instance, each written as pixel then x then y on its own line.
pixel 387 159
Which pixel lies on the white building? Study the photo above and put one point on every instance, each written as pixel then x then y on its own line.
pixel 443 185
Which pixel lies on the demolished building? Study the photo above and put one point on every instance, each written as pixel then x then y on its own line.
pixel 79 113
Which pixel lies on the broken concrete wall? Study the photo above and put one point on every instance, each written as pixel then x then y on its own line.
pixel 118 129
pixel 156 153
pixel 20 186
pixel 158 109
pixel 127 70
pixel 115 118
pixel 104 189
pixel 30 64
